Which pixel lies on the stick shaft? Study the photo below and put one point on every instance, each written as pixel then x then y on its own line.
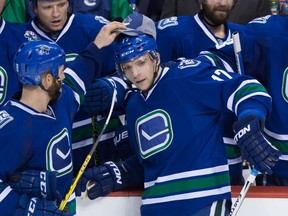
pixel 237 51
pixel 86 161
pixel 237 204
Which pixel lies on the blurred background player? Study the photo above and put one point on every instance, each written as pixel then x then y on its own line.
pixel 242 13
pixel 264 43
pixel 110 9
pixel 11 36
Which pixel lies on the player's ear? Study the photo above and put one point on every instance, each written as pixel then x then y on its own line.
pixel 47 79
pixel 158 58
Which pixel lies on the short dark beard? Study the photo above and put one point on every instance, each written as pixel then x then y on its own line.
pixel 55 90
pixel 213 19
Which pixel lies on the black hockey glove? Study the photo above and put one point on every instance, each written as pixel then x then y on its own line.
pixel 37 207
pixel 34 183
pixel 106 178
pixel 256 149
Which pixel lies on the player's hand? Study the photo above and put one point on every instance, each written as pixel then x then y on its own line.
pixel 34 183
pixel 104 179
pixel 256 149
pixel 98 97
pixel 37 207
pixel 108 34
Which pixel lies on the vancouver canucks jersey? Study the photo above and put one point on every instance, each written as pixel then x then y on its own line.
pixel 265 59
pixel 42 141
pixel 187 36
pixel 269 23
pixel 176 130
pixel 78 32
pixel 10 39
pixel 263 54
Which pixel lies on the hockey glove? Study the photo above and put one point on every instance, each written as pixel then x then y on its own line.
pixel 41 184
pixel 37 207
pixel 105 178
pixel 256 149
pixel 98 97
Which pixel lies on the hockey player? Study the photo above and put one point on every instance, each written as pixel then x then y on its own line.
pixel 264 43
pixel 11 36
pixel 187 36
pixel 42 116
pixel 175 118
pixel 73 32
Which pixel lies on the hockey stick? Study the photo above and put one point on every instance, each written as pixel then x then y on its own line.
pixel 86 161
pixel 237 204
pixel 237 51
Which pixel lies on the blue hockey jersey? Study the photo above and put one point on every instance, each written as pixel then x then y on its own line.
pixel 187 36
pixel 42 141
pixel 10 39
pixel 264 43
pixel 176 130
pixel 78 32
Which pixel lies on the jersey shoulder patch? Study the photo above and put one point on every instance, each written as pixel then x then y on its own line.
pixel 260 20
pixel 185 63
pixel 167 22
pixel 5 118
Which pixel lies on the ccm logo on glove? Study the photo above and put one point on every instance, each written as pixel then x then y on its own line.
pixel 43 184
pixel 32 206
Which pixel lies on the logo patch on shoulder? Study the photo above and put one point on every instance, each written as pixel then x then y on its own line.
pixel 168 22
pixel 185 63
pixel 5 118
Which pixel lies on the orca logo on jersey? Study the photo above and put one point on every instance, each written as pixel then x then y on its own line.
pixel 242 132
pixel 260 20
pixel 185 63
pixel 165 23
pixel 154 132
pixel 90 3
pixel 5 118
pixel 31 36
pixel 58 153
pixel 3 84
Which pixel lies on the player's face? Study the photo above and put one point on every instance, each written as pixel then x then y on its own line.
pixel 52 14
pixel 56 88
pixel 140 72
pixel 217 11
